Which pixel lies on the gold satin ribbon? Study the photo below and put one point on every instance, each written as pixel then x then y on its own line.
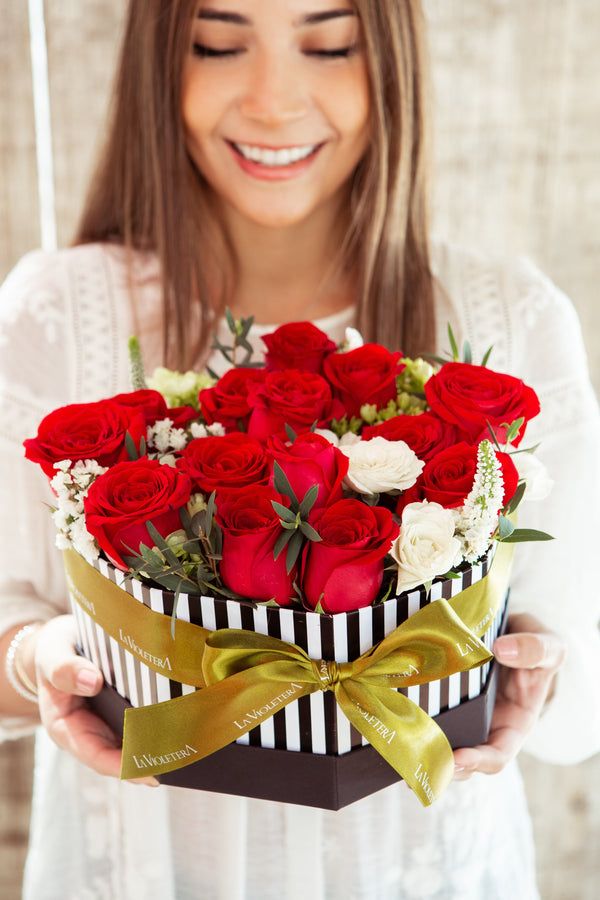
pixel 250 676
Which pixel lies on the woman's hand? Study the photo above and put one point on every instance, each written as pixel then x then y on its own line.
pixel 64 681
pixel 530 657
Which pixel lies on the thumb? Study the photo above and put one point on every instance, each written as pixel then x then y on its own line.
pixel 58 663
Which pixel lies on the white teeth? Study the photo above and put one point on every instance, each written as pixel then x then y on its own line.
pixel 273 158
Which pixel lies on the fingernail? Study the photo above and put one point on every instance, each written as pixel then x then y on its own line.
pixel 146 782
pixel 87 681
pixel 507 648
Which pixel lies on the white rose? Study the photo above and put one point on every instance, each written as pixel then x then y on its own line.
pixel 538 483
pixel 354 339
pixel 426 546
pixel 380 466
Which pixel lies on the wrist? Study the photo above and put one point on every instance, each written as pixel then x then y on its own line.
pixel 20 664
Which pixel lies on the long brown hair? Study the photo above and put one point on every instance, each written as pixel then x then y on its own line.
pixel 146 192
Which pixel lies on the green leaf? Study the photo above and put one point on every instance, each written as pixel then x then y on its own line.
pixel 293 551
pixel 467 355
pixel 132 450
pixel 281 543
pixel 493 435
pixel 505 528
pixel 230 321
pixel 487 355
pixel 453 344
pixel 211 508
pixel 516 498
pixel 283 486
pixel 309 532
pixel 512 428
pixel 283 512
pixel 308 501
pixel 162 544
pixel 290 433
pixel 520 535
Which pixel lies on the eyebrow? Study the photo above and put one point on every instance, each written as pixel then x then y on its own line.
pixel 233 18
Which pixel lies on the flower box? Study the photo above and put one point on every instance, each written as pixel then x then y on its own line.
pixel 307 752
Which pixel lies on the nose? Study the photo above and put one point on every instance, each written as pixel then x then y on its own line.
pixel 274 92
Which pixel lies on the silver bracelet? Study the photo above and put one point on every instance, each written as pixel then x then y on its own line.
pixel 18 678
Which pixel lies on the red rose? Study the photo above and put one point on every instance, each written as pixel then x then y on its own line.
pixel 227 401
pixel 294 398
pixel 344 570
pixel 426 434
pixel 154 407
pixel 471 396
pixel 85 431
pixel 250 530
pixel 310 460
pixel 230 461
pixel 121 501
pixel 365 375
pixel 448 478
pixel 297 345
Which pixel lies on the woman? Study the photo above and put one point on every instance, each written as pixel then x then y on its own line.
pixel 272 157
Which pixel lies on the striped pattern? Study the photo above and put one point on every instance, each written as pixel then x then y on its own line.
pixel 314 723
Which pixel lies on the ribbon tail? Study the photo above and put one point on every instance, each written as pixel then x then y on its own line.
pixel 166 736
pixel 403 734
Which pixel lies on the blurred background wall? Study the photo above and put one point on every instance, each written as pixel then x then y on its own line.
pixel 517 157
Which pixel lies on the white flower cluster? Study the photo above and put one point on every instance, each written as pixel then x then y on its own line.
pixel 202 431
pixel 163 437
pixel 71 484
pixel 477 519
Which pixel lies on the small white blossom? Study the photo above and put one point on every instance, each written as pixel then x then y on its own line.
pixel 164 437
pixel 353 339
pixel 71 484
pixel 426 546
pixel 477 519
pixel 201 431
pixel 381 466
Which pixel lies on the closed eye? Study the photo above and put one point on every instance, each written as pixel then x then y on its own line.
pixel 337 53
pixel 206 52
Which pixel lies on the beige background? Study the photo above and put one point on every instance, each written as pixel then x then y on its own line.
pixel 517 116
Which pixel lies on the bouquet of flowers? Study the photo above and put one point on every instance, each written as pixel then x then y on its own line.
pixel 326 479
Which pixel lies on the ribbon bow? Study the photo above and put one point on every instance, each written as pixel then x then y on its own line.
pixel 250 676
pixel 246 677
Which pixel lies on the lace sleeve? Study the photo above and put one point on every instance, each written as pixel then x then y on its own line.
pixel 537 337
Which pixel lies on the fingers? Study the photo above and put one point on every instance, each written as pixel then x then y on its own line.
pixel 530 651
pixel 64 681
pixel 530 656
pixel 58 663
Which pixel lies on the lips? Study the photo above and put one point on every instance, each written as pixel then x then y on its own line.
pixel 274 158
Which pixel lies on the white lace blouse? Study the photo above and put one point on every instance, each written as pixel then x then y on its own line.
pixel 64 323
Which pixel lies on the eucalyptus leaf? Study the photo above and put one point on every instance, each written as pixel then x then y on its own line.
pixel 293 551
pixel 309 532
pixel 283 512
pixel 467 354
pixel 520 535
pixel 281 543
pixel 308 501
pixel 516 498
pixel 283 486
pixel 505 528
pixel 291 434
pixel 453 344
pixel 486 356
pixel 132 450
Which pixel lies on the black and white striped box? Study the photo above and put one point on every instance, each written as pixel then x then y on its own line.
pixel 313 724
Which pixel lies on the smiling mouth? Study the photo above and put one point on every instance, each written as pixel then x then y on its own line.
pixel 271 158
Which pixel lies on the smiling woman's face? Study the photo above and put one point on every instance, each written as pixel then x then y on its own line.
pixel 276 105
